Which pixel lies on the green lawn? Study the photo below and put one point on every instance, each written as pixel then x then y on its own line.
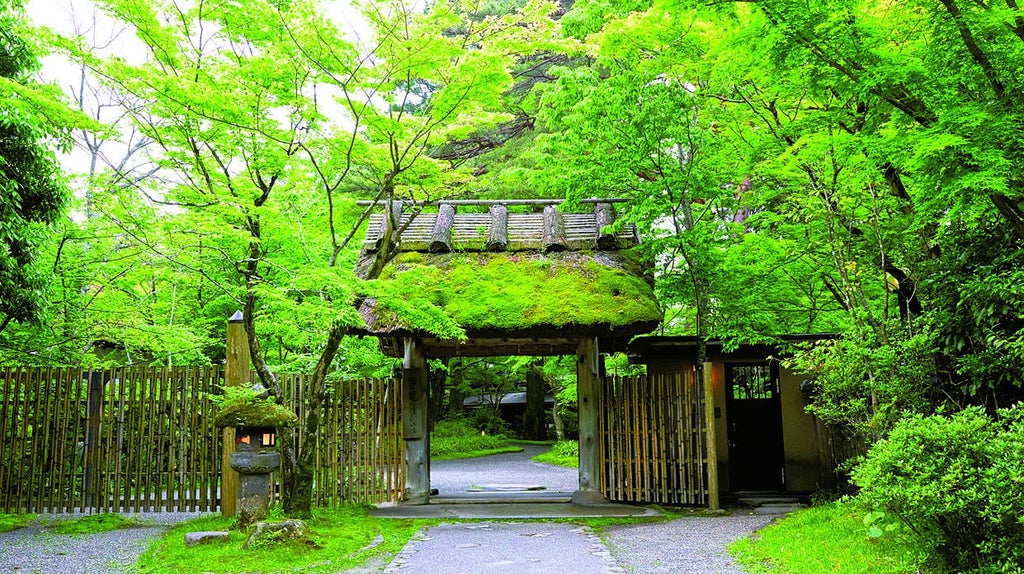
pixel 565 453
pixel 339 539
pixel 830 538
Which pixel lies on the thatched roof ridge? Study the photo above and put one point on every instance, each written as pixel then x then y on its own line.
pixel 536 301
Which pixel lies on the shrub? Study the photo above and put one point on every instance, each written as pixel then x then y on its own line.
pixel 489 421
pixel 957 482
pixel 453 438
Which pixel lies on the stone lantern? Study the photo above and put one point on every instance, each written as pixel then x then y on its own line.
pixel 256 420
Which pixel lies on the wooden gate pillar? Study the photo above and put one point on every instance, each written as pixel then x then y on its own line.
pixel 237 363
pixel 707 383
pixel 587 393
pixel 415 425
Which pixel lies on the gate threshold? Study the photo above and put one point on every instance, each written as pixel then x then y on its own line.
pixel 521 507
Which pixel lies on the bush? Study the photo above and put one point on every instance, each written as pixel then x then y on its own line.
pixel 957 482
pixel 489 421
pixel 563 453
pixel 455 438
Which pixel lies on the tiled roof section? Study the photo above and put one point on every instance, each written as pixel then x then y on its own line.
pixel 500 230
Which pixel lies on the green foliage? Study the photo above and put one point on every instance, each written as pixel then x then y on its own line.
pixel 9 522
pixel 344 539
pixel 512 291
pixel 563 453
pixel 829 538
pixel 92 524
pixel 956 483
pixel 458 438
pixel 247 407
pixel 32 190
pixel 865 387
pixel 978 293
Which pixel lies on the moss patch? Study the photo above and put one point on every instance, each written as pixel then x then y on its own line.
pixel 511 291
pixel 246 412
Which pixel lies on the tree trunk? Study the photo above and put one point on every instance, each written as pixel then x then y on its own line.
pixel 534 421
pixel 458 394
pixel 299 498
pixel 556 417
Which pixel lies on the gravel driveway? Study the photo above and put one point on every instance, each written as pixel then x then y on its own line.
pixel 457 477
pixel 681 546
pixel 36 549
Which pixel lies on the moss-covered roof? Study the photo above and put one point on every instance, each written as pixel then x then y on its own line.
pixel 503 283
pixel 511 294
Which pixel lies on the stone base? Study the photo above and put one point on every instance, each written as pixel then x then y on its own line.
pixel 589 498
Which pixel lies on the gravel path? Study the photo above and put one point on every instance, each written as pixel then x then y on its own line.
pixel 37 549
pixel 681 546
pixel 456 477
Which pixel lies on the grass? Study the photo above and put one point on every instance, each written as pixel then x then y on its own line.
pixel 9 522
pixel 92 524
pixel 564 453
pixel 339 539
pixel 458 439
pixel 477 453
pixel 829 538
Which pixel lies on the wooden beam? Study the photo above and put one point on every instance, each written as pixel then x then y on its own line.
pixel 554 230
pixel 497 235
pixel 589 411
pixel 441 235
pixel 415 424
pixel 604 213
pixel 236 374
pixel 711 443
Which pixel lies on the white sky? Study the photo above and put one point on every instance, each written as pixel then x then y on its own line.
pixel 108 37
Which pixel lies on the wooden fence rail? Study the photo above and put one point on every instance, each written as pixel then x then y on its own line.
pixel 137 439
pixel 654 447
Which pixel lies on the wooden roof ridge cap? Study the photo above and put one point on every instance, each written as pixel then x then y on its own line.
pixel 505 231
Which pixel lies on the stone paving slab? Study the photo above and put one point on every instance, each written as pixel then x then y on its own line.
pixel 505 548
pixel 509 510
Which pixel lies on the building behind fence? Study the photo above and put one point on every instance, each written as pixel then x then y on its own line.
pixel 143 439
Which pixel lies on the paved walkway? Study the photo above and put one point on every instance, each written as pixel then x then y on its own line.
pixel 505 548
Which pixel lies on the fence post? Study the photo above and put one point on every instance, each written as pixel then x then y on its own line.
pixel 711 444
pixel 236 374
pixel 93 417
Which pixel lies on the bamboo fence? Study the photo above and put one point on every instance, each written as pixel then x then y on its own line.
pixel 138 439
pixel 654 447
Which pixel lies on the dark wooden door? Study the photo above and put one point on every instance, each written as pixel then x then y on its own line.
pixel 754 411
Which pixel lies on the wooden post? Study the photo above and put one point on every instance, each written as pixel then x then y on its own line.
pixel 441 235
pixel 236 374
pixel 589 406
pixel 711 443
pixel 497 237
pixel 554 230
pixel 415 429
pixel 604 213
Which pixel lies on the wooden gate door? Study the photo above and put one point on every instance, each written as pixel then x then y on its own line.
pixel 654 449
pixel 754 410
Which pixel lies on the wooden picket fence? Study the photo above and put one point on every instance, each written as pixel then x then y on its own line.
pixel 143 439
pixel 654 447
